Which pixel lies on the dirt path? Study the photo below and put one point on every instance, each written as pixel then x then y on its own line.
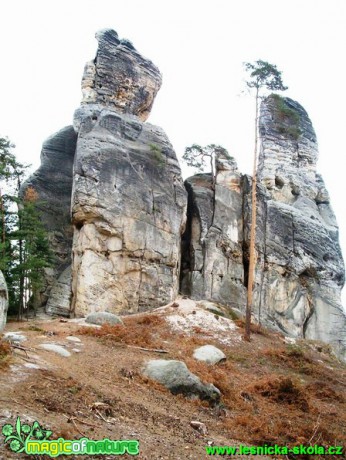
pixel 274 391
pixel 98 392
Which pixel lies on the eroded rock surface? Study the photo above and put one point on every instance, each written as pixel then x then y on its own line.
pixel 53 185
pixel 128 201
pixel 301 271
pixel 120 78
pixel 212 266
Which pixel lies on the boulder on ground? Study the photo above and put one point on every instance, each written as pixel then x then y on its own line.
pixel 103 317
pixel 209 354
pixel 175 376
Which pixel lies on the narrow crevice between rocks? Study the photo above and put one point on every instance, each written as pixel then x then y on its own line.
pixel 185 264
pixel 245 245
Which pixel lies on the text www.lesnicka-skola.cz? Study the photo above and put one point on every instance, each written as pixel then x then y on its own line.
pixel 274 450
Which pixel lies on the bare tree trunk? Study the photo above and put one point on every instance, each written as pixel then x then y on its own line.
pixel 252 251
pixel 3 237
pixel 213 175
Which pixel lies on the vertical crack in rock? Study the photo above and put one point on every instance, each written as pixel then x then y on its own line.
pixel 300 270
pixel 213 242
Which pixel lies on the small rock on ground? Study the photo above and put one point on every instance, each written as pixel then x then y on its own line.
pixel 209 354
pixel 71 338
pixel 56 349
pixel 14 337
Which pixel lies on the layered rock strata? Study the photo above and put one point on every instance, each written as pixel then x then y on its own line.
pixel 129 210
pixel 128 200
pixel 120 78
pixel 300 270
pixel 212 266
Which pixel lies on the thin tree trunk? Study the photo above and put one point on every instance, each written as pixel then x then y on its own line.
pixel 21 280
pixel 252 251
pixel 213 175
pixel 3 238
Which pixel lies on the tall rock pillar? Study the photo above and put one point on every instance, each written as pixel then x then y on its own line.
pixel 128 199
pixel 301 271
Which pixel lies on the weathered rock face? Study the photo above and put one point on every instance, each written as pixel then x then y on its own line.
pixel 128 200
pixel 212 265
pixel 301 271
pixel 3 301
pixel 120 78
pixel 53 184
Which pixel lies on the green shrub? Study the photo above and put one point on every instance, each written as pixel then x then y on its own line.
pixel 287 120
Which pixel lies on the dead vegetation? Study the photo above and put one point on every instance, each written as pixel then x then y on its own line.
pixel 272 392
pixel 5 352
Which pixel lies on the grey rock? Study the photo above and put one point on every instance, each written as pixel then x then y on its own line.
pixel 56 349
pixel 301 271
pixel 119 77
pixel 209 354
pixel 212 262
pixel 103 317
pixel 71 338
pixel 3 301
pixel 31 366
pixel 53 185
pixel 15 337
pixel 59 302
pixel 175 376
pixel 128 209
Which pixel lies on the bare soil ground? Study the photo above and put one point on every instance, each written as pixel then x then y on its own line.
pixel 273 392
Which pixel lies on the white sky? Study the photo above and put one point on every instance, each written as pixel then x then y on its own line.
pixel 199 46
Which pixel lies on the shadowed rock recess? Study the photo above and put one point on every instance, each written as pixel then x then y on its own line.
pixel 113 183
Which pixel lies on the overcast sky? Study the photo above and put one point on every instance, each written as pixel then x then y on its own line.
pixel 199 46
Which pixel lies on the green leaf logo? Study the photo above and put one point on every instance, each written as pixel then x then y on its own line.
pixel 18 436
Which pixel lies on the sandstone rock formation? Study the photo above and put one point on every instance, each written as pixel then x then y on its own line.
pixel 300 270
pixel 119 181
pixel 128 199
pixel 212 266
pixel 3 301
pixel 53 184
pixel 120 78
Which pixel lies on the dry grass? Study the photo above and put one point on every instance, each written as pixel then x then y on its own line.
pixel 143 331
pixel 271 392
pixel 254 327
pixel 5 352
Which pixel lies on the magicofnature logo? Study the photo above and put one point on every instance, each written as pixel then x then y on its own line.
pixel 17 436
pixel 34 440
